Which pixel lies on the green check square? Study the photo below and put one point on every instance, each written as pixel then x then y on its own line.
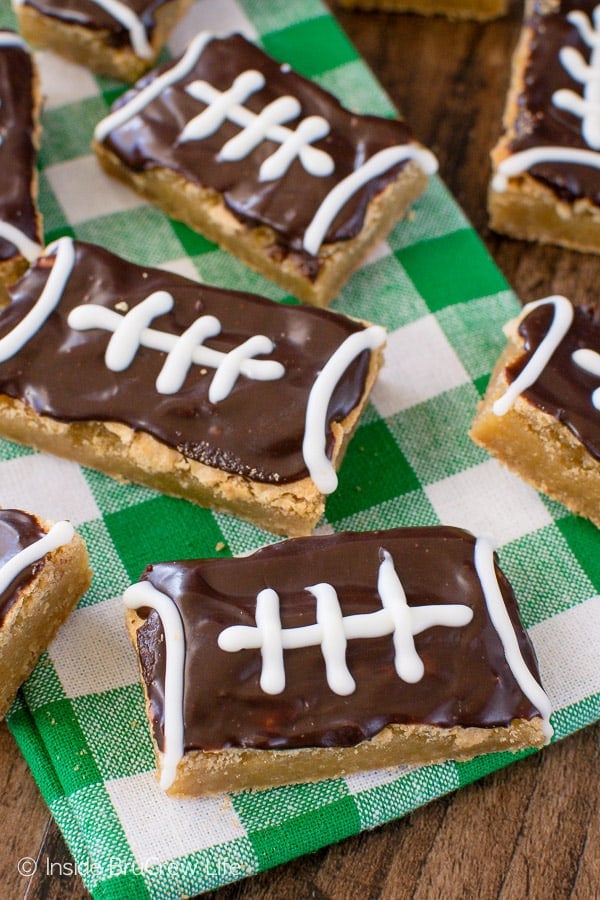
pixel 474 329
pixel 267 809
pixel 381 292
pixel 143 235
pixel 545 574
pixel 110 578
pixel 311 47
pixel 357 89
pixel 305 832
pixel 118 752
pixel 191 533
pixel 433 435
pixel 582 538
pixel 432 267
pixel 10 450
pixel 56 223
pixel 374 470
pixel 61 140
pixel 64 740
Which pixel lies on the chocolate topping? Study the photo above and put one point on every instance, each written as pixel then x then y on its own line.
pixel 564 389
pixel 87 14
pixel 17 531
pixel 257 431
pixel 467 680
pixel 540 122
pixel 17 150
pixel 288 204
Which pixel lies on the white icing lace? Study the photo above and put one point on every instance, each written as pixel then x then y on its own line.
pixel 131 331
pixel 332 631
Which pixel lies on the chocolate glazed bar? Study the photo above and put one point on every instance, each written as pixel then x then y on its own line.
pixel 221 397
pixel 541 413
pixel 43 573
pixel 323 656
pixel 20 223
pixel 119 38
pixel 546 183
pixel 264 162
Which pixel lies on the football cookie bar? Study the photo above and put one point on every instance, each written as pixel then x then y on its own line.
pixel 541 414
pixel 224 398
pixel 43 573
pixel 118 38
pixel 480 10
pixel 20 223
pixel 264 162
pixel 546 182
pixel 319 657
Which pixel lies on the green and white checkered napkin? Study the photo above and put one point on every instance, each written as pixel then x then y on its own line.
pixel 80 718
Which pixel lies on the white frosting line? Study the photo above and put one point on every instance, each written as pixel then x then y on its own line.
pixel 588 106
pixel 144 594
pixel 337 198
pixel 333 642
pixel 267 125
pixel 155 88
pixel 130 332
pixel 561 322
pixel 10 39
pixel 60 533
pixel 313 447
pixel 181 356
pixel 526 159
pixel 268 625
pixel 125 341
pixel 484 566
pixel 409 665
pixel 134 25
pixel 28 249
pixel 589 360
pixel 332 630
pixel 12 342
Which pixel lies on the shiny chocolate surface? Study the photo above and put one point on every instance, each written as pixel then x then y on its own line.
pixel 540 122
pixel 467 680
pixel 18 530
pixel 17 151
pixel 564 389
pixel 287 204
pixel 257 431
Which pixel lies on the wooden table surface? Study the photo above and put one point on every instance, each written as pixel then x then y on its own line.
pixel 533 829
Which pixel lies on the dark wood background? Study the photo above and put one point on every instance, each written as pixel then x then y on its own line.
pixel 532 830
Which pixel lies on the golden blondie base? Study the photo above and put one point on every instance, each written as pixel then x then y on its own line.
pixel 480 10
pixel 89 47
pixel 537 447
pixel 530 211
pixel 206 773
pixel 42 606
pixel 205 211
pixel 291 509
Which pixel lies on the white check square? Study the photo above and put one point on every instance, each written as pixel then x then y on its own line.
pixel 420 363
pixel 489 500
